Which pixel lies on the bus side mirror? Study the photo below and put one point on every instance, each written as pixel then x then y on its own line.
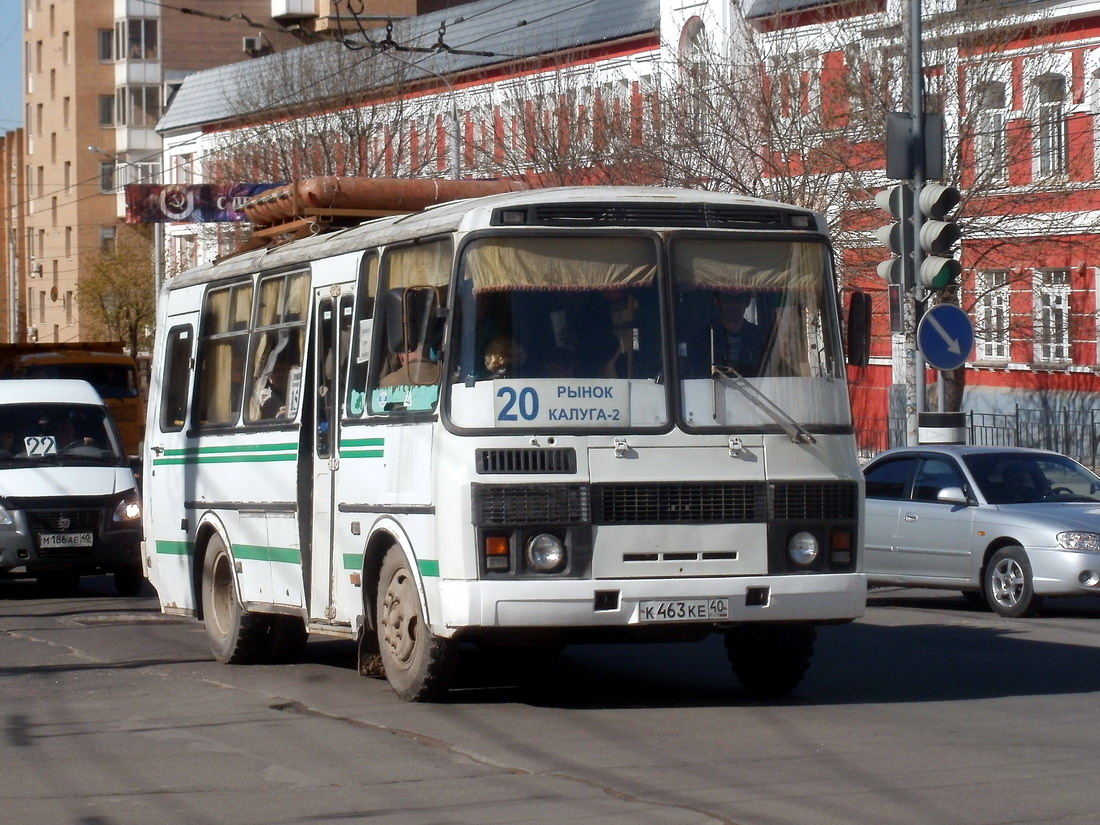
pixel 412 318
pixel 859 329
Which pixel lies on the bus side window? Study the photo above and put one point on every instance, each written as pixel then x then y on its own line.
pixel 411 360
pixel 177 379
pixel 361 327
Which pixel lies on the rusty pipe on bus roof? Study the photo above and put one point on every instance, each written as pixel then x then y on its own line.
pixel 368 195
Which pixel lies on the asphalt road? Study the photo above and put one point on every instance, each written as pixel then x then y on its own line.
pixel 928 710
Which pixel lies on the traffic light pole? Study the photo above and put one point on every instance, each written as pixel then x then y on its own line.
pixel 916 404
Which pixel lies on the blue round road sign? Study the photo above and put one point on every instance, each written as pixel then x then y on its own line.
pixel 945 337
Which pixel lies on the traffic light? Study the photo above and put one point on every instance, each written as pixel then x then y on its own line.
pixel 898 236
pixel 938 235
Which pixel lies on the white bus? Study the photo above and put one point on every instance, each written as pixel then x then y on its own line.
pixel 530 419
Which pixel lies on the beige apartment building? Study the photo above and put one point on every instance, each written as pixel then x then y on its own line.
pixel 96 77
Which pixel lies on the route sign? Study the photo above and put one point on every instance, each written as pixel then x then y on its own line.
pixel 945 337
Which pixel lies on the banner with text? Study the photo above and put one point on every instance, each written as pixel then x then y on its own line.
pixel 189 203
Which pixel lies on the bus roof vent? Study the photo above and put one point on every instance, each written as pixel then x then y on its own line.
pixel 526 460
pixel 628 213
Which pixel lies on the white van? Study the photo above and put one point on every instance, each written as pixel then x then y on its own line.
pixel 68 502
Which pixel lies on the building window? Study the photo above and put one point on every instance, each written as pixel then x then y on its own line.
pixel 990 141
pixel 106 110
pixel 68 175
pixel 106 176
pixel 136 39
pixel 1052 316
pixel 1050 125
pixel 138 106
pixel 991 312
pixel 107 238
pixel 106 45
pixel 66 107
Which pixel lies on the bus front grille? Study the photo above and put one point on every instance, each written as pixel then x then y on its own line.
pixel 519 504
pixel 679 503
pixel 665 503
pixel 814 501
pixel 526 460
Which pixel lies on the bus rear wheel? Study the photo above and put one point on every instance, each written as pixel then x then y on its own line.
pixel 236 636
pixel 770 660
pixel 419 665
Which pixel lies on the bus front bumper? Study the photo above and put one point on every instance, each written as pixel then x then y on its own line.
pixel 818 598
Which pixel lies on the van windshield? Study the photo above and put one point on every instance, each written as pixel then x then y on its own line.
pixel 57 434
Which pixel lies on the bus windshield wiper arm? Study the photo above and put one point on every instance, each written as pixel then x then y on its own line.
pixel 730 377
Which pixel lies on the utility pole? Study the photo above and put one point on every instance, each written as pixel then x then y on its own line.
pixel 915 404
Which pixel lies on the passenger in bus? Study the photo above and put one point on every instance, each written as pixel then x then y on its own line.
pixel 416 369
pixel 733 340
pixel 273 394
pixel 503 357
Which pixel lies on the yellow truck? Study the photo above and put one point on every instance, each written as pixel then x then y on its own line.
pixel 103 364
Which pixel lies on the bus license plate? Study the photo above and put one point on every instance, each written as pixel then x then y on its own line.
pixel 65 540
pixel 684 610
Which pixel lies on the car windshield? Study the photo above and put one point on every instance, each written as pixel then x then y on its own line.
pixel 57 434
pixel 1020 478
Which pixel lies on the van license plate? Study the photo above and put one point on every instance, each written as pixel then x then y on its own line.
pixel 684 610
pixel 66 540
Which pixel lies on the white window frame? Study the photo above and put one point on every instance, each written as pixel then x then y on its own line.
pixel 992 308
pixel 1052 315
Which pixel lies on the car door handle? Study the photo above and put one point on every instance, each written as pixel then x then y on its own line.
pixel 910 516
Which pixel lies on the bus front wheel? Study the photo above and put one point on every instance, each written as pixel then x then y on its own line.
pixel 419 665
pixel 236 636
pixel 770 660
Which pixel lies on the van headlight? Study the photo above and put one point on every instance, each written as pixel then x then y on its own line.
pixel 802 549
pixel 545 553
pixel 129 509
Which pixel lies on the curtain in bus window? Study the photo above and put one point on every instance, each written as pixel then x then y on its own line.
pixel 422 265
pixel 279 347
pixel 560 263
pixel 225 340
pixel 749 264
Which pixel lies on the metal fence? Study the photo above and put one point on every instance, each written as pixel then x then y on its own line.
pixel 1075 433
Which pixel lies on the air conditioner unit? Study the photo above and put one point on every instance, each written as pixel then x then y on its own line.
pixel 252 44
pixel 32 335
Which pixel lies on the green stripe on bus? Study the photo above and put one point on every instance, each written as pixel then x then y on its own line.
pixel 231 448
pixel 173 548
pixel 259 552
pixel 361 453
pixel 428 567
pixel 225 459
pixel 361 442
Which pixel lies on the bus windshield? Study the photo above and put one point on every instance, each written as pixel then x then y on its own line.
pixel 559 330
pixel 754 341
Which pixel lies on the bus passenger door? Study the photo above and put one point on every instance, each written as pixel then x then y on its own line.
pixel 333 311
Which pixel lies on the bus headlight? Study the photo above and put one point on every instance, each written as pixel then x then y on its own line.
pixel 129 509
pixel 802 549
pixel 545 553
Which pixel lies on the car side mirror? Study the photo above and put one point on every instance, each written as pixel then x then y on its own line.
pixel 953 495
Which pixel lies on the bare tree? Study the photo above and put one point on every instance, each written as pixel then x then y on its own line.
pixel 117 291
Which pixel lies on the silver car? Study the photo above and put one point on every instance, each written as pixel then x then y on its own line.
pixel 1008 524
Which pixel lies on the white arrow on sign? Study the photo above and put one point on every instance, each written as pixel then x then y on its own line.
pixel 952 343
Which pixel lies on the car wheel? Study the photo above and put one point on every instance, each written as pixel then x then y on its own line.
pixel 770 660
pixel 419 665
pixel 1008 584
pixel 235 635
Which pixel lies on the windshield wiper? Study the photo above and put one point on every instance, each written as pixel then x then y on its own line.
pixel 730 377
